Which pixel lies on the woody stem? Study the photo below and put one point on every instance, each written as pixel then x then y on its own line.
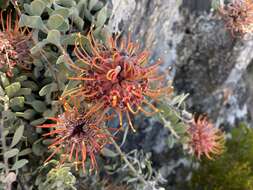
pixel 124 157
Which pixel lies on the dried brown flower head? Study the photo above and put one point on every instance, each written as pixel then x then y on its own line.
pixel 76 136
pixel 205 139
pixel 115 76
pixel 14 45
pixel 238 16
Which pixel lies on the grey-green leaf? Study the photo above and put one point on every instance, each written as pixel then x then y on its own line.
pixel 47 89
pixel 86 44
pixel 24 91
pixel 32 22
pixel 62 11
pixel 66 3
pixel 2 165
pixel 108 153
pixel 101 17
pixel 48 113
pixel 39 106
pixel 215 4
pixel 98 6
pixel 25 152
pixel 69 39
pixel 17 135
pixel 19 164
pixel 2 93
pixel 37 7
pixel 38 121
pixel 38 148
pixel 79 22
pixel 21 78
pixel 17 101
pixel 54 37
pixel 4 80
pixel 38 47
pixel 12 89
pixel 28 8
pixel 30 84
pixel 11 153
pixel 92 3
pixel 27 114
pixel 55 21
pixel 60 59
pixel 64 27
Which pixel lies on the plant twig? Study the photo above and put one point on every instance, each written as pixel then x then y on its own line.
pixel 65 54
pixel 43 53
pixel 178 113
pixel 124 157
pixel 173 132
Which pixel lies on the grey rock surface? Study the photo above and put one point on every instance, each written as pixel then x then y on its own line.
pixel 208 62
pixel 211 67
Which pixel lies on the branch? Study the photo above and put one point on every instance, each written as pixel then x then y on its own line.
pixel 124 157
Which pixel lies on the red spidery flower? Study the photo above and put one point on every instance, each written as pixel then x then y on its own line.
pixel 14 45
pixel 238 16
pixel 78 137
pixel 205 139
pixel 114 76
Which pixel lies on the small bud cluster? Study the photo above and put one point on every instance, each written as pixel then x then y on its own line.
pixel 205 139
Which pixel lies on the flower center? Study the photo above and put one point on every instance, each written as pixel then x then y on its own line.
pixel 78 128
pixel 112 74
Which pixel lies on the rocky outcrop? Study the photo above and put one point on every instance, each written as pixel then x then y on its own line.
pixel 211 64
pixel 208 62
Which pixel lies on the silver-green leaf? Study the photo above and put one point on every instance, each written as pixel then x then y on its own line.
pixel 37 7
pixel 11 153
pixel 17 101
pixel 101 17
pixel 38 47
pixel 17 135
pixel 108 153
pixel 60 59
pixel 55 21
pixel 92 3
pixel 38 106
pixel 2 165
pixel 32 22
pixel 12 89
pixel 25 152
pixel 19 164
pixel 53 37
pixel 47 89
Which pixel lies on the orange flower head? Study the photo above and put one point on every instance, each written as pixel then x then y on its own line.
pixel 115 76
pixel 14 45
pixel 205 139
pixel 238 16
pixel 78 137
